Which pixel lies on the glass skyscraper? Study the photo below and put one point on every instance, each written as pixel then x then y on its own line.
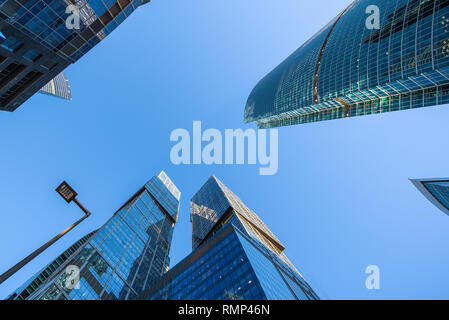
pixel 436 191
pixel 352 68
pixel 58 87
pixel 36 281
pixel 126 256
pixel 40 38
pixel 235 256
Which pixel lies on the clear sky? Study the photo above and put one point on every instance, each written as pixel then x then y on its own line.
pixel 341 200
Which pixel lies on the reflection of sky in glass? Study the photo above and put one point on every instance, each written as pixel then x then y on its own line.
pixel 342 187
pixel 349 70
pixel 121 264
pixel 46 21
pixel 440 190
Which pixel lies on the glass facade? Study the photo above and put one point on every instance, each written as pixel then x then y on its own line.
pixel 40 38
pixel 348 69
pixel 436 191
pixel 440 190
pixel 235 256
pixel 125 256
pixel 58 87
pixel 213 204
pixel 36 281
pixel 45 21
pixel 219 271
pixel 231 266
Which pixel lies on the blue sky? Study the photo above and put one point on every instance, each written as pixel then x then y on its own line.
pixel 341 200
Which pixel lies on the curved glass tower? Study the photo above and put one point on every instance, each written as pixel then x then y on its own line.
pixel 351 69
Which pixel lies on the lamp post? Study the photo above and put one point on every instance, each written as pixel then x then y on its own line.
pixel 69 195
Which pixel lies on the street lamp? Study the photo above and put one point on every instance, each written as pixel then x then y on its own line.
pixel 69 195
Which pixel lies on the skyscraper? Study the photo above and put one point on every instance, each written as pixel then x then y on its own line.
pixel 235 256
pixel 40 38
pixel 354 67
pixel 58 87
pixel 37 280
pixel 436 191
pixel 126 255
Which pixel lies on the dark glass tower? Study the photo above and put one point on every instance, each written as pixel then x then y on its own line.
pixel 36 281
pixel 235 256
pixel 349 69
pixel 125 256
pixel 436 191
pixel 36 43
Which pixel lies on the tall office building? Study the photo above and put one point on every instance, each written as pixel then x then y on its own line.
pixel 436 191
pixel 37 280
pixel 354 67
pixel 58 87
pixel 125 256
pixel 235 256
pixel 40 38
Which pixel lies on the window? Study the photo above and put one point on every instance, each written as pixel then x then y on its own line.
pixel 11 44
pixel 32 55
